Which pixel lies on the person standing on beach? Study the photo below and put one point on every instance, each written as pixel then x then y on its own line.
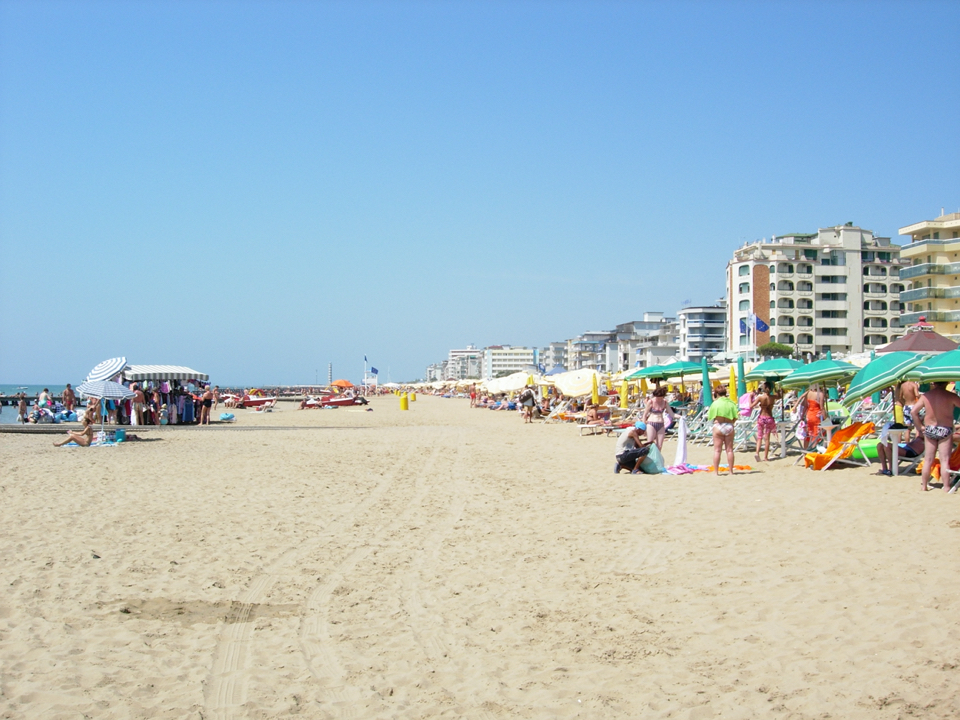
pixel 723 411
pixel 44 399
pixel 766 424
pixel 138 400
pixel 907 396
pixel 937 407
pixel 815 405
pixel 22 408
pixel 528 400
pixel 206 401
pixel 69 398
pixel 216 396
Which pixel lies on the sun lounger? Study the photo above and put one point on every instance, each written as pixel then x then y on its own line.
pixel 841 447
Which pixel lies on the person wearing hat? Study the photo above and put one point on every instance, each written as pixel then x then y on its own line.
pixel 632 448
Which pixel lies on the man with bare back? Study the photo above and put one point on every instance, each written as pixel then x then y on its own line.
pixel 907 396
pixel 937 407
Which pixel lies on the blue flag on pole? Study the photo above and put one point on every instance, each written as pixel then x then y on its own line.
pixel 364 358
pixel 743 326
pixel 762 326
pixel 374 370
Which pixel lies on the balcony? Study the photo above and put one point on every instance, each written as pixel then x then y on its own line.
pixel 705 323
pixel 913 318
pixel 929 293
pixel 915 271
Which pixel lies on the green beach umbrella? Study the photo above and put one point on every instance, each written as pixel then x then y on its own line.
pixel 675 369
pixel 653 372
pixel 775 369
pixel 820 371
pixel 881 373
pixel 706 396
pixel 741 380
pixel 940 368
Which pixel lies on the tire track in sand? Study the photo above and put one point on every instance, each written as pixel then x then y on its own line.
pixel 226 688
pixel 342 699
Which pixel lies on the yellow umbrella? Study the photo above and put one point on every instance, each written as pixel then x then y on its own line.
pixel 733 384
pixel 644 389
pixel 623 395
pixel 595 393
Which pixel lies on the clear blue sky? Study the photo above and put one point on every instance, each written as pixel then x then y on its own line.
pixel 256 189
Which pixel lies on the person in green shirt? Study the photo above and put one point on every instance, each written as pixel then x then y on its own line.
pixel 723 411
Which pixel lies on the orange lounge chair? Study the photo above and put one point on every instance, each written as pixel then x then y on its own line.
pixel 841 447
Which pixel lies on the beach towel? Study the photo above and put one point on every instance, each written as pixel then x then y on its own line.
pixel 841 445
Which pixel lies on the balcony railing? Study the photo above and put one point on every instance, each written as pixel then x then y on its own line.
pixel 915 271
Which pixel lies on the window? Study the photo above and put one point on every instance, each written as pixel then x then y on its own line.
pixel 834 257
pixel 805 339
pixel 837 279
pixel 805 321
pixel 786 321
pixel 810 255
pixel 744 288
pixel 831 313
pixel 804 304
pixel 773 321
pixel 831 331
pixel 805 286
pixel 785 286
pixel 744 270
pixel 773 304
pixel 744 341
pixel 786 303
pixel 805 268
pixel 785 338
pixel 744 304
pixel 883 256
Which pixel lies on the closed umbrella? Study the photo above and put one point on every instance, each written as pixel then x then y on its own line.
pixel 594 393
pixel 941 368
pixel 706 397
pixel 733 385
pixel 107 369
pixel 886 370
pixel 104 390
pixel 741 380
pixel 623 395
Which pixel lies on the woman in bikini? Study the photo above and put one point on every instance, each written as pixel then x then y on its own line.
pixel 85 436
pixel 654 418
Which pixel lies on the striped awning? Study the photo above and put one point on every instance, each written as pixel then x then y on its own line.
pixel 162 372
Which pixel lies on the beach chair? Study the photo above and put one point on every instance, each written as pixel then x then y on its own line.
pixel 744 431
pixel 559 413
pixel 841 447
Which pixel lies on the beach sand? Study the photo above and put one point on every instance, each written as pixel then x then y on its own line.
pixel 448 562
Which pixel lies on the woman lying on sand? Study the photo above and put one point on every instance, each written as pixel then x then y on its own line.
pixel 82 438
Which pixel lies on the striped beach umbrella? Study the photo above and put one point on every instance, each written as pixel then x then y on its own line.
pixel 825 370
pixel 104 390
pixel 940 368
pixel 775 369
pixel 881 373
pixel 107 369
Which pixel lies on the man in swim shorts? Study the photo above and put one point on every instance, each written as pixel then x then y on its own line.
pixel 937 406
pixel 723 411
pixel 766 425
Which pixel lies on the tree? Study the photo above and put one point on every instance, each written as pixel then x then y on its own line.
pixel 775 349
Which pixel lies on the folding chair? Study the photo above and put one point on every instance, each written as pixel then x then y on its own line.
pixel 841 447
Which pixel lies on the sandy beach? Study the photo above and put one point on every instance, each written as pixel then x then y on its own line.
pixel 449 562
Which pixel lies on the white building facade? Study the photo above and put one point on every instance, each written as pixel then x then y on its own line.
pixel 838 289
pixel 499 360
pixel 702 332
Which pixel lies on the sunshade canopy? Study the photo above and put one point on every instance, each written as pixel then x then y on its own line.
pixel 342 383
pixel 883 372
pixel 675 369
pixel 108 369
pixel 921 341
pixel 557 369
pixel 820 371
pixel 777 368
pixel 940 368
pixel 162 372
pixel 575 383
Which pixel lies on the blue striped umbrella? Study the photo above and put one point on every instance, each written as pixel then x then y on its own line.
pixel 107 369
pixel 104 389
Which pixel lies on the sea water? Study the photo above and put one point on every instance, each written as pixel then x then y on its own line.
pixel 8 413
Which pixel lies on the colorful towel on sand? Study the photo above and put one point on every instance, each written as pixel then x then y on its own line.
pixel 688 469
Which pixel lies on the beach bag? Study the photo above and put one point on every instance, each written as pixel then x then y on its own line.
pixel 227 417
pixel 653 463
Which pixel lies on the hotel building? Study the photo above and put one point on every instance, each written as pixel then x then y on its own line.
pixel 702 332
pixel 932 278
pixel 837 289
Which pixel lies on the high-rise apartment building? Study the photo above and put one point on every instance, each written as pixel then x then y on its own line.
pixel 499 360
pixel 837 289
pixel 702 332
pixel 932 278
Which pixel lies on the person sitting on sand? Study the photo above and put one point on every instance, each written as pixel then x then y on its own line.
pixel 632 448
pixel 84 437
pixel 937 407
pixel 724 413
pixel 911 449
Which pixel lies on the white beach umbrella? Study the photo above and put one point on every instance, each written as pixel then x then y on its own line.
pixel 107 369
pixel 104 390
